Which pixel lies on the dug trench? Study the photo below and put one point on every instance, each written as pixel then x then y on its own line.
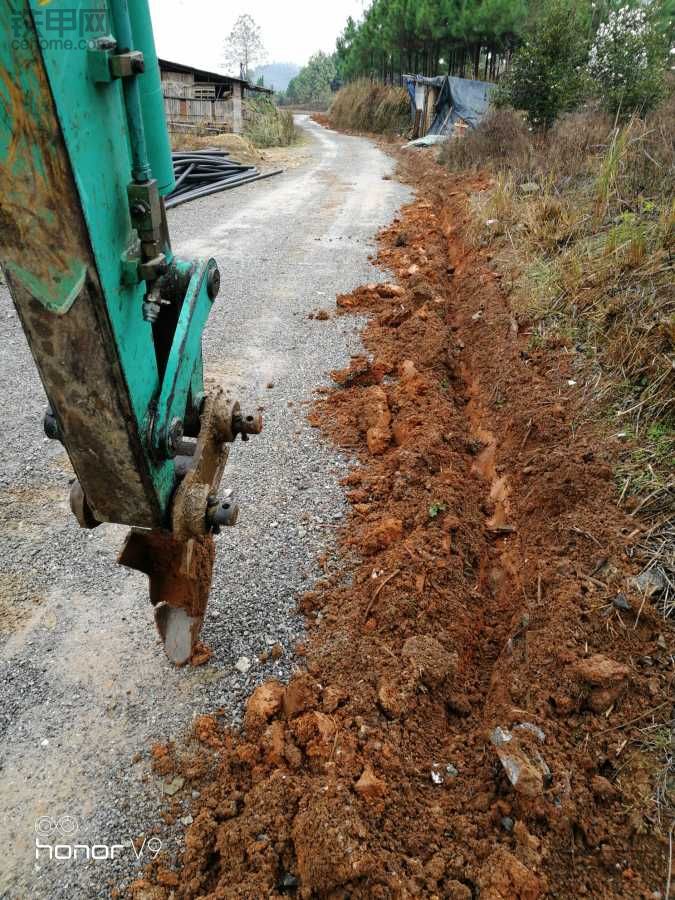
pixel 464 722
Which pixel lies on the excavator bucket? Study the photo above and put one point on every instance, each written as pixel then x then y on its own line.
pixel 179 574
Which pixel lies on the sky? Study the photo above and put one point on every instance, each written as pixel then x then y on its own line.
pixel 193 31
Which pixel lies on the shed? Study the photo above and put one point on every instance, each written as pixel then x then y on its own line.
pixel 195 97
pixel 439 104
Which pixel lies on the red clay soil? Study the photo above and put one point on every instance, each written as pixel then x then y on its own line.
pixel 321 119
pixel 468 719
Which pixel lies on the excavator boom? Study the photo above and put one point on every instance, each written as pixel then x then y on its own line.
pixel 113 317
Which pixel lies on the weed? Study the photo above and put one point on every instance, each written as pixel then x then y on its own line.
pixel 268 126
pixel 648 466
pixel 606 186
pixel 657 740
pixel 436 509
pixel 585 215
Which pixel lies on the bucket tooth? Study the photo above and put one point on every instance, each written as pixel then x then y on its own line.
pixel 179 573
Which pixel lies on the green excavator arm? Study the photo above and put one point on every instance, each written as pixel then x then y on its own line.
pixel 113 318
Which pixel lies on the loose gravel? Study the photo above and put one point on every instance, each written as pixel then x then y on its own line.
pixel 85 688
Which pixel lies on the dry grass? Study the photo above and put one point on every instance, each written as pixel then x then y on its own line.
pixel 501 143
pixel 586 217
pixel 371 107
pixel 265 125
pixel 240 147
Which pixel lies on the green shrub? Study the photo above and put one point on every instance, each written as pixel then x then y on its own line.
pixel 547 76
pixel 268 126
pixel 627 61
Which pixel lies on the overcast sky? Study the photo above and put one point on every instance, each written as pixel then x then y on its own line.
pixel 193 31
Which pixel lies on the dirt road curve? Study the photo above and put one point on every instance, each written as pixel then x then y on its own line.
pixel 84 686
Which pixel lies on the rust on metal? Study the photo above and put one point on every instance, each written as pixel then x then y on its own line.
pixel 42 234
pixel 209 458
pixel 180 571
pixel 179 574
pixel 54 283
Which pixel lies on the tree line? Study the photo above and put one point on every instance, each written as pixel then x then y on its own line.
pixel 548 55
pixel 469 38
pixel 431 37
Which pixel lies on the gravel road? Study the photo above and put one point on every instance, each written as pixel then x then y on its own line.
pixel 84 684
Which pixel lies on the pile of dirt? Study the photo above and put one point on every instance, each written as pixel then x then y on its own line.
pixel 476 676
pixel 321 119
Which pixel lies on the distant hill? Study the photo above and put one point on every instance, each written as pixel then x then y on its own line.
pixel 276 75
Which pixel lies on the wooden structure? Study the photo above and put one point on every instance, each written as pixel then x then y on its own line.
pixel 195 98
pixel 426 97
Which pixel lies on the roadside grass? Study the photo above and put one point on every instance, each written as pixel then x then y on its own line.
pixel 657 740
pixel 371 107
pixel 267 125
pixel 583 221
pixel 648 466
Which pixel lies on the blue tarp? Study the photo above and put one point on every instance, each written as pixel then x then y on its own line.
pixel 459 98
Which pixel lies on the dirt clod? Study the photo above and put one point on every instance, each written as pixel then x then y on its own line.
pixel 429 660
pixel 328 835
pixel 381 535
pixel 265 702
pixel 606 678
pixel 369 785
pixel 504 877
pixel 300 695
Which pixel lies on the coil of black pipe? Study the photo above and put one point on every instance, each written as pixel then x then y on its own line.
pixel 200 173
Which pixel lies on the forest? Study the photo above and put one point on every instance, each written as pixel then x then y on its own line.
pixel 470 38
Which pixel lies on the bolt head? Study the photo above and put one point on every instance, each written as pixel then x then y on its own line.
pixel 107 42
pixel 174 436
pixel 213 283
